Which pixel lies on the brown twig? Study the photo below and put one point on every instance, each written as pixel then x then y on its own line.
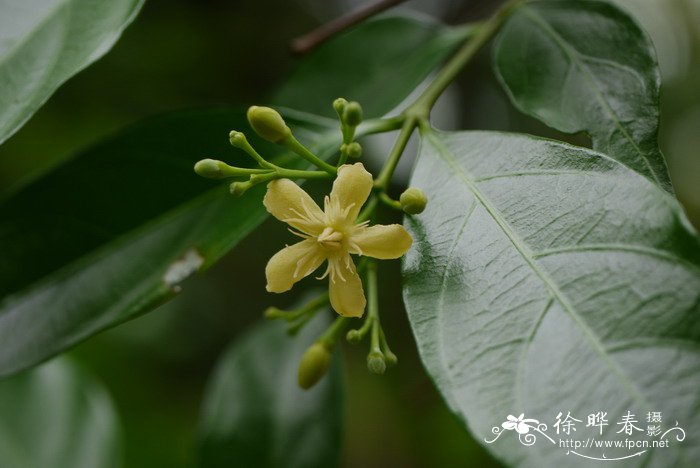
pixel 306 43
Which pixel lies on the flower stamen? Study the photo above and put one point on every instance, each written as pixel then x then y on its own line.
pixel 303 236
pixel 330 239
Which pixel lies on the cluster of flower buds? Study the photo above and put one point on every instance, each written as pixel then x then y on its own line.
pixel 350 115
pixel 269 125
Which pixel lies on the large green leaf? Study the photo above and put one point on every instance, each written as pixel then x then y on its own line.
pixel 111 233
pixel 378 63
pixel 45 42
pixel 548 278
pixel 254 413
pixel 56 416
pixel 586 66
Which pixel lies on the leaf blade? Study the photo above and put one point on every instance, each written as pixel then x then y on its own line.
pixel 522 278
pixel 380 80
pixel 601 77
pixel 103 208
pixel 97 261
pixel 254 414
pixel 45 42
pixel 57 395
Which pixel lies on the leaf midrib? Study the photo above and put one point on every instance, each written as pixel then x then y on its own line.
pixel 574 56
pixel 524 252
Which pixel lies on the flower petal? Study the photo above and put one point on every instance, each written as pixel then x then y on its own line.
pixel 381 241
pixel 289 203
pixel 509 425
pixel 522 428
pixel 351 188
pixel 293 263
pixel 346 294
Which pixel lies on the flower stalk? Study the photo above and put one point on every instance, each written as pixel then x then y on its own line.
pixel 298 318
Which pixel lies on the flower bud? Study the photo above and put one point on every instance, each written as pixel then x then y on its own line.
pixel 390 358
pixel 313 365
pixel 209 168
pixel 352 114
pixel 339 106
pixel 354 150
pixel 376 363
pixel 413 200
pixel 353 336
pixel 268 123
pixel 238 139
pixel 272 313
pixel 239 188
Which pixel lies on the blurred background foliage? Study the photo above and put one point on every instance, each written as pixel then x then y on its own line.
pixel 183 54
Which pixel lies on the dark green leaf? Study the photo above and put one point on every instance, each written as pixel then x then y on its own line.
pixel 378 63
pixel 586 66
pixel 56 416
pixel 254 413
pixel 548 278
pixel 45 42
pixel 111 233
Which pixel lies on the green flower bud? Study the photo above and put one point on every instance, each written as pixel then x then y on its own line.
pixel 313 365
pixel 413 200
pixel 353 336
pixel 239 188
pixel 339 106
pixel 268 123
pixel 352 114
pixel 238 139
pixel 214 169
pixel 210 168
pixel 390 358
pixel 376 363
pixel 272 313
pixel 354 150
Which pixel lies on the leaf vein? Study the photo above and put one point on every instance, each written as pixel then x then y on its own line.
pixel 527 256
pixel 576 59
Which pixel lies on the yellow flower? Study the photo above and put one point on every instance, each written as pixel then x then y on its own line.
pixel 332 235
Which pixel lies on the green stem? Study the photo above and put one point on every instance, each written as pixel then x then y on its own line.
pixel 389 356
pixel 293 144
pixel 373 306
pixel 390 202
pixel 284 173
pixel 422 106
pixel 372 126
pixel 239 140
pixel 330 336
pixel 317 303
pixel 348 133
pixel 382 181
pixel 417 114
pixel 368 209
pixel 362 331
pixel 343 156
